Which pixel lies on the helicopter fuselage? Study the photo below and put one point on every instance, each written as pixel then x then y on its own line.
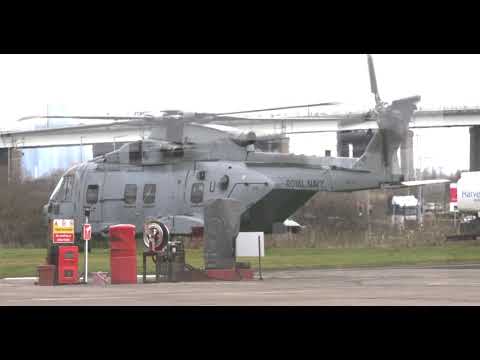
pixel 270 187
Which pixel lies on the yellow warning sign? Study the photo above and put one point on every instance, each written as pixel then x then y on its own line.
pixel 63 231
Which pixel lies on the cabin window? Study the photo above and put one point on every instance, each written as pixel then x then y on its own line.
pixel 197 193
pixel 130 195
pixel 224 181
pixel 149 193
pixel 92 194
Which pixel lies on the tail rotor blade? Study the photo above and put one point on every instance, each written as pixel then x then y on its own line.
pixel 373 79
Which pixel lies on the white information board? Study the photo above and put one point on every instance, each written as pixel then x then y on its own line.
pixel 247 244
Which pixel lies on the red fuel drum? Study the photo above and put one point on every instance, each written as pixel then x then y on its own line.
pixel 123 254
pixel 68 264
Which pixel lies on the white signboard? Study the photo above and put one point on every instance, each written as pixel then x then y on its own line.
pixel 453 207
pixel 247 244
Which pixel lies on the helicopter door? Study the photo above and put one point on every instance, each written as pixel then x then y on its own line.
pixel 132 204
pixel 130 207
pixel 148 194
pixel 112 198
pixel 120 201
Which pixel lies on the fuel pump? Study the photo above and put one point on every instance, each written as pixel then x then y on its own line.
pixel 175 256
pixel 167 254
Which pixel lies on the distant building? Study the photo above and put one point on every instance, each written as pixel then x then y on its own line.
pixel 405 211
pixel 43 161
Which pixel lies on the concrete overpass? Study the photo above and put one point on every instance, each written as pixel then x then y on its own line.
pixel 358 135
pixel 105 136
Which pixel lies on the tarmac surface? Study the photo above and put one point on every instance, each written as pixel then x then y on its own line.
pixel 441 285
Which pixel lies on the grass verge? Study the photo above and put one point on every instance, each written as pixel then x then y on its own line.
pixel 24 262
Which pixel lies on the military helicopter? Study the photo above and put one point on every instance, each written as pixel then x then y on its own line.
pixel 189 159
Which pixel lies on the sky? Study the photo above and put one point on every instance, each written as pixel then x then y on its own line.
pixel 123 84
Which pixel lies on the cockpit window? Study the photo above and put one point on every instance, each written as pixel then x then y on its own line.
pixel 63 190
pixel 68 185
pixel 56 191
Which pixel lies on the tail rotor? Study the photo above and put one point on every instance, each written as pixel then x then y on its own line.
pixel 393 122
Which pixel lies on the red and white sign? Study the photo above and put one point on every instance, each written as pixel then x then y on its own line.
pixel 87 232
pixel 63 231
pixel 453 193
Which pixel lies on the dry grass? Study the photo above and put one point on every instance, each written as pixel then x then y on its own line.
pixel 21 220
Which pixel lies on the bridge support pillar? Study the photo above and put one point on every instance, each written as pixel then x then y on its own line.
pixel 11 162
pixel 343 144
pixel 406 156
pixel 285 145
pixel 475 148
pixel 359 140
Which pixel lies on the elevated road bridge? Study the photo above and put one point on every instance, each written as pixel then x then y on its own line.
pixel 105 136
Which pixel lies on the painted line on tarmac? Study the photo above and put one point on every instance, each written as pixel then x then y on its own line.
pixel 84 298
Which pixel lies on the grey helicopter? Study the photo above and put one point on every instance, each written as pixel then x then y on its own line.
pixel 190 159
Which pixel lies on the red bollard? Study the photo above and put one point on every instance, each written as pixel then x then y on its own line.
pixel 123 254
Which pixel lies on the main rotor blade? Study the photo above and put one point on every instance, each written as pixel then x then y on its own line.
pixel 115 118
pixel 359 117
pixel 278 108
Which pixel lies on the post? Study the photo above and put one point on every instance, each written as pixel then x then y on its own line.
pixel 369 227
pixel 393 215
pixel 455 221
pixel 8 165
pixel 157 267
pixel 259 259
pixel 144 268
pixel 85 275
